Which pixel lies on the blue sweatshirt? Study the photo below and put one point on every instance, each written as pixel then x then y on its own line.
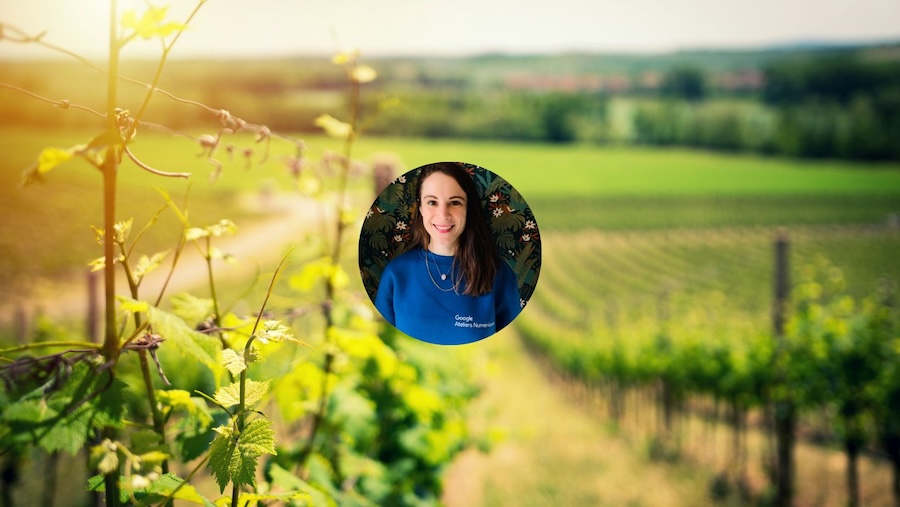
pixel 411 301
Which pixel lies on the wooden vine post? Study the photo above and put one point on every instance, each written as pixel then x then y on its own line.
pixel 785 410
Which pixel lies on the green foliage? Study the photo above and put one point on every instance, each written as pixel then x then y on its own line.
pixel 688 83
pixel 229 396
pixel 839 77
pixel 233 362
pixel 73 397
pixel 190 308
pixel 51 157
pixel 152 491
pixel 515 116
pixel 233 456
pixel 840 349
pixel 284 480
pixel 199 346
pixel 151 24
pixel 63 414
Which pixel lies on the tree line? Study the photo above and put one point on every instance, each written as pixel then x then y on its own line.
pixel 834 104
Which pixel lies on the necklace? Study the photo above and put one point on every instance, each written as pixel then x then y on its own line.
pixel 443 275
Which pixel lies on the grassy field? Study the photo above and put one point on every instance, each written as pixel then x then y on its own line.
pixel 46 227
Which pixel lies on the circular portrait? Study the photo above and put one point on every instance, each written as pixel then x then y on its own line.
pixel 449 253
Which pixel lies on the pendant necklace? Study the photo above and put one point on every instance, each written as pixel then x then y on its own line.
pixel 443 275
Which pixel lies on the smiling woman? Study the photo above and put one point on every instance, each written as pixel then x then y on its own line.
pixel 447 274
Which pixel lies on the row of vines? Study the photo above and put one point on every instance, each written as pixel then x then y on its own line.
pixel 290 392
pixel 673 327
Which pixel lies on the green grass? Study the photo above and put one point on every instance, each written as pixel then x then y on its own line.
pixel 540 170
pixel 612 188
pixel 667 211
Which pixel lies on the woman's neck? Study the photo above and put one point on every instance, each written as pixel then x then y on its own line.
pixel 448 250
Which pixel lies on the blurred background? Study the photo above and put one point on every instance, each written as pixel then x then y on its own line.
pixel 674 156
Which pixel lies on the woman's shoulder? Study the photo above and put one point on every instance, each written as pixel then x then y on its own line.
pixel 406 258
pixel 505 275
pixel 504 269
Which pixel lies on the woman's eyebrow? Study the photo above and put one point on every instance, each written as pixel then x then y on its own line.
pixel 451 197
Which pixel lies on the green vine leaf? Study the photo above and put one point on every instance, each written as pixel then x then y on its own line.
pixel 151 23
pixel 52 157
pixel 195 344
pixel 122 230
pixel 233 361
pixel 133 306
pixel 195 233
pixel 232 458
pixel 193 429
pixel 147 264
pixel 274 331
pixel 147 442
pixel 258 438
pixel 334 127
pixel 222 227
pixel 48 159
pixel 222 453
pixel 319 270
pixel 99 264
pixel 63 420
pixel 231 395
pixel 191 308
pixel 177 399
pixel 284 479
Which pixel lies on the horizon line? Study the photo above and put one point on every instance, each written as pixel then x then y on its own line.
pixel 811 44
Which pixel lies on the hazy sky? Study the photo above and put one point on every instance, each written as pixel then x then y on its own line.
pixel 456 27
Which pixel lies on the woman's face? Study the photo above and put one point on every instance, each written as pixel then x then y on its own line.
pixel 443 209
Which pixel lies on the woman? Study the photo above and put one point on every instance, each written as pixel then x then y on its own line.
pixel 451 287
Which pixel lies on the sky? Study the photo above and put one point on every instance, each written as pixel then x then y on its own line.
pixel 242 28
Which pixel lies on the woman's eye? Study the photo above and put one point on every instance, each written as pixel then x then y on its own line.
pixel 456 203
pixel 431 203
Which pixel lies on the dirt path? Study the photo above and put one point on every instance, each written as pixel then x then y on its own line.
pixel 289 218
pixel 552 452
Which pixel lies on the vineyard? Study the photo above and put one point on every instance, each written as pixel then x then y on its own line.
pixel 670 334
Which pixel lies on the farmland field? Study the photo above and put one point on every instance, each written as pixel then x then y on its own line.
pixel 568 187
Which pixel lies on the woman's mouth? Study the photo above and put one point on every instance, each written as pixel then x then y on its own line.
pixel 443 229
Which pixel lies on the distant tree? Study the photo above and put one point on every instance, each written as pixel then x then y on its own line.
pixel 557 112
pixel 685 83
pixel 836 78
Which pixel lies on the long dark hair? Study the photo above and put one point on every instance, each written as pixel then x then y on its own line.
pixel 476 257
